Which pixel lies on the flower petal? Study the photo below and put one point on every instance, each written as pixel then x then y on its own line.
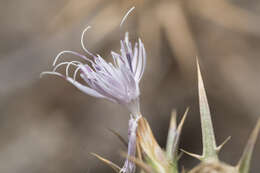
pixel 86 90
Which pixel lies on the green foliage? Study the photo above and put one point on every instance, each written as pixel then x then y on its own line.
pixel 157 160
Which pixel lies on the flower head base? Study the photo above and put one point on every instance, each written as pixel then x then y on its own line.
pixel 129 166
pixel 118 82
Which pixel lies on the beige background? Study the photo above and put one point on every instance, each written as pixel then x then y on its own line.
pixel 48 126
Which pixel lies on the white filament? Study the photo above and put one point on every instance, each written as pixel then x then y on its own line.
pixel 71 52
pixel 75 73
pixel 82 41
pixel 126 15
pixel 65 63
pixel 51 73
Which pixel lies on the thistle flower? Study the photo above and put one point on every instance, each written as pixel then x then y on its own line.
pixel 118 82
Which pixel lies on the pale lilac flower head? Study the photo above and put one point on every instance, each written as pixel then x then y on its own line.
pixel 117 82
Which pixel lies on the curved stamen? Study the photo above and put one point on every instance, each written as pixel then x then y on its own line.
pixel 126 15
pixel 68 66
pixel 73 53
pixel 75 73
pixel 63 63
pixel 60 64
pixel 51 73
pixel 82 41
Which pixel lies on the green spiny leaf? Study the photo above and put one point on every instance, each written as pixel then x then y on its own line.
pixel 173 141
pixel 171 136
pixel 244 163
pixel 196 156
pixel 223 143
pixel 208 137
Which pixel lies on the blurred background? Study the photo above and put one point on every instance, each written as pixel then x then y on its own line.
pixel 48 126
